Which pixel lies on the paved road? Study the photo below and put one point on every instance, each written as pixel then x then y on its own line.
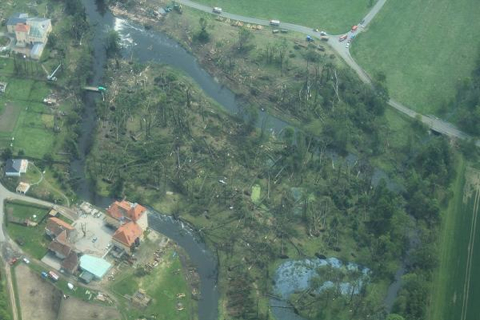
pixel 434 123
pixel 5 194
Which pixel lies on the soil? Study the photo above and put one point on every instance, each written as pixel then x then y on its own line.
pixel 39 299
pixel 75 309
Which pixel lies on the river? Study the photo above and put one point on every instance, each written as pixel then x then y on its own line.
pixel 162 49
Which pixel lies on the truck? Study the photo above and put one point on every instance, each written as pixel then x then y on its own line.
pixel 52 275
pixel 274 22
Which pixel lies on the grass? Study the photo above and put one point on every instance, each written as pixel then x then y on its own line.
pixel 423 47
pixel 34 240
pixel 334 16
pixel 163 285
pixel 448 294
pixel 256 192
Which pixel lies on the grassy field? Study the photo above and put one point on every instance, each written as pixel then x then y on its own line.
pixel 455 292
pixel 34 240
pixel 333 16
pixel 162 284
pixel 423 47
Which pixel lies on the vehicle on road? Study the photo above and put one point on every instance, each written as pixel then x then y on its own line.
pixel 52 275
pixel 343 38
pixel 347 45
pixel 217 10
pixel 44 274
pixel 323 33
pixel 324 38
pixel 13 261
pixel 309 39
pixel 274 22
pixel 26 260
pixel 354 28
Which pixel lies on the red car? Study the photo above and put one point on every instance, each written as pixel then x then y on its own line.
pixel 13 261
pixel 354 28
pixel 343 38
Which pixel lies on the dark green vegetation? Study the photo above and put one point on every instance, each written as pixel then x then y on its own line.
pixel 5 313
pixel 454 293
pixel 467 102
pixel 31 239
pixel 165 136
pixel 330 15
pixel 424 49
pixel 164 284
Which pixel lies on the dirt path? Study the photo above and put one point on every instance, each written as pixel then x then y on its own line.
pixel 472 188
pixel 11 292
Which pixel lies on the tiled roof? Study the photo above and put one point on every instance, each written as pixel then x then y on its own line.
pixel 128 233
pixel 17 18
pixel 59 247
pixel 57 226
pixel 125 209
pixel 13 165
pixel 71 262
pixel 20 27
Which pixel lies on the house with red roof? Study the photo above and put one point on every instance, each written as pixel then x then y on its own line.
pixel 122 212
pixel 127 238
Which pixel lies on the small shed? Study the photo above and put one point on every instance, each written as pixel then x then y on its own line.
pixel 22 187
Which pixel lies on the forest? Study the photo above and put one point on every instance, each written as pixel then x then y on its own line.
pixel 159 135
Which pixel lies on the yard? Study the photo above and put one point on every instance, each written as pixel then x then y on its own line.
pixel 32 239
pixel 333 16
pixel 424 48
pixel 40 299
pixel 455 293
pixel 164 284
pixel 26 123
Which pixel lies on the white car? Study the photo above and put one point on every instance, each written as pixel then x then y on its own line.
pixel 26 260
pixel 347 45
pixel 217 10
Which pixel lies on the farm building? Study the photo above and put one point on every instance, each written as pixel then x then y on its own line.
pixel 127 238
pixel 93 268
pixel 22 187
pixel 121 212
pixel 55 227
pixel 15 167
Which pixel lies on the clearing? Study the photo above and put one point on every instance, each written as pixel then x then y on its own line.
pixel 455 295
pixel 333 16
pixel 38 298
pixel 8 117
pixel 423 48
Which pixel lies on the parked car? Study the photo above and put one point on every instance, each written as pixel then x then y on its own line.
pixel 343 38
pixel 323 33
pixel 52 275
pixel 347 45
pixel 13 261
pixel 26 260
pixel 354 28
pixel 217 10
pixel 274 22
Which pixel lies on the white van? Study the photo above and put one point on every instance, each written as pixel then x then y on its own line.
pixel 274 22
pixel 217 10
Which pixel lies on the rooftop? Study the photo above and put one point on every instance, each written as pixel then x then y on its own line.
pixel 59 247
pixel 15 165
pixel 17 18
pixel 20 27
pixel 128 233
pixel 96 266
pixel 125 209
